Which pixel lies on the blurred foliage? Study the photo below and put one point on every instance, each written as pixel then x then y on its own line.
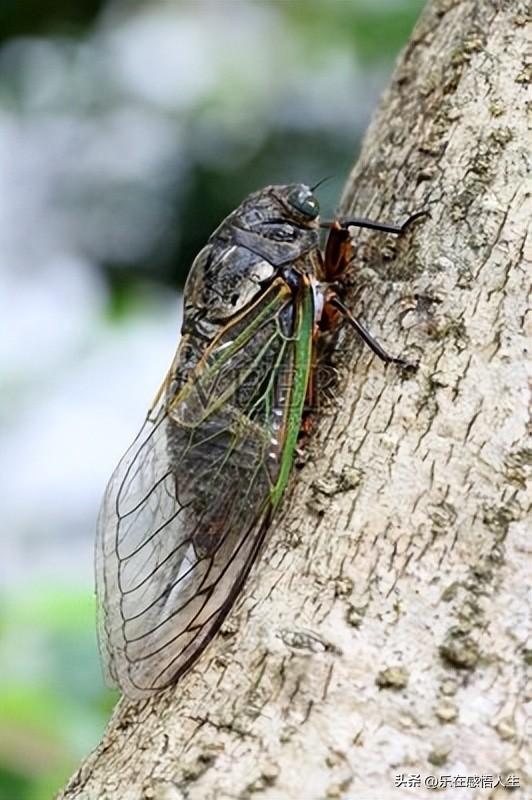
pixel 53 706
pixel 52 703
pixel 373 29
pixel 375 32
pixel 31 17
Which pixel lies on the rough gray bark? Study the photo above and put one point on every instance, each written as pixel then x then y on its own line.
pixel 387 628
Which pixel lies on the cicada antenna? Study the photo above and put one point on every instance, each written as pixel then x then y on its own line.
pixel 321 182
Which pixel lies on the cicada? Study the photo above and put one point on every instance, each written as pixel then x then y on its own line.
pixel 187 509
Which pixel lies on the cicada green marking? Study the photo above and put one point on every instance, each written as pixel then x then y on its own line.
pixel 186 511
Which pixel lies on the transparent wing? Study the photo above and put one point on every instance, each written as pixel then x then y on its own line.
pixel 185 511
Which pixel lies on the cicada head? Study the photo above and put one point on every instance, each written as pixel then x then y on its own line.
pixel 299 202
pixel 271 228
pixel 279 213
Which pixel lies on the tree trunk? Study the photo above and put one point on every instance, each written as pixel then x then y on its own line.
pixel 386 631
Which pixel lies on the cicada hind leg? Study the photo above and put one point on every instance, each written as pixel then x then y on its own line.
pixel 337 259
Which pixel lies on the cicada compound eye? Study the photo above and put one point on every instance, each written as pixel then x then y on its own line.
pixel 304 202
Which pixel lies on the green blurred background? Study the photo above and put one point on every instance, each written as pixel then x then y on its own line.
pixel 127 131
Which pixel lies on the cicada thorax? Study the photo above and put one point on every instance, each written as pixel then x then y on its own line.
pixel 239 317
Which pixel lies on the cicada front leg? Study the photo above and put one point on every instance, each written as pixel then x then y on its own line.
pixel 337 259
pixel 375 225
